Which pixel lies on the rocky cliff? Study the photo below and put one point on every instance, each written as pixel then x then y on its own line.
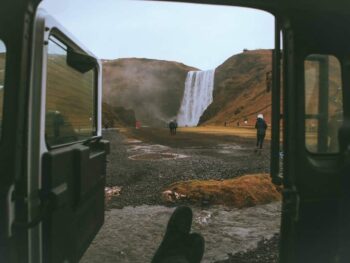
pixel 240 90
pixel 117 116
pixel 153 89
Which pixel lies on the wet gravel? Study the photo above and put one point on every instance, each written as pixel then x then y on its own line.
pixel 132 234
pixel 266 252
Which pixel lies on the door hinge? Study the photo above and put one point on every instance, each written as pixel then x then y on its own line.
pixel 291 203
pixel 44 206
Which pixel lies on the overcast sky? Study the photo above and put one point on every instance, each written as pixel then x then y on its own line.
pixel 202 36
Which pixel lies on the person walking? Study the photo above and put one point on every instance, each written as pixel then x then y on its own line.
pixel 171 127
pixel 175 126
pixel 260 127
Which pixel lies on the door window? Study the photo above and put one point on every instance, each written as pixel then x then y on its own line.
pixel 70 103
pixel 323 103
pixel 2 79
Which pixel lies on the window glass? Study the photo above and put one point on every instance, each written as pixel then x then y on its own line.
pixel 70 107
pixel 323 103
pixel 2 80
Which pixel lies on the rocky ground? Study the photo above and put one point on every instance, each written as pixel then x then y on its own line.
pixel 144 162
pixel 266 251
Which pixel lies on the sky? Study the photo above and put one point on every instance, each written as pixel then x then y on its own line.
pixel 202 36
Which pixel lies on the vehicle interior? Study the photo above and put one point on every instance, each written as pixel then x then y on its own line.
pixel 53 161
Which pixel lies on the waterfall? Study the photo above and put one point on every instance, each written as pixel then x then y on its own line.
pixel 197 97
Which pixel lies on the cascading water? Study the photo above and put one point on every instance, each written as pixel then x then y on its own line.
pixel 198 95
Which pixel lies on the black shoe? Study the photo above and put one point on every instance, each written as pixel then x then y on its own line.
pixel 178 245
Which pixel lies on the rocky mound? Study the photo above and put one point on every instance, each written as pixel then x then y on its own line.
pixel 152 88
pixel 240 89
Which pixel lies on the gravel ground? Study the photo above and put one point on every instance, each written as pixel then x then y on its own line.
pixel 265 252
pixel 203 157
pixel 139 163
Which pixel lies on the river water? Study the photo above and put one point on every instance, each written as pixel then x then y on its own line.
pixel 132 234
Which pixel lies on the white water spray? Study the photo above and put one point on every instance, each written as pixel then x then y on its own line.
pixel 198 95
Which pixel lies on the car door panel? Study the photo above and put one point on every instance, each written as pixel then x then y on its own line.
pixel 74 179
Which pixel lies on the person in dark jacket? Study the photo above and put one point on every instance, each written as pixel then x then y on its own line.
pixel 172 128
pixel 175 126
pixel 260 127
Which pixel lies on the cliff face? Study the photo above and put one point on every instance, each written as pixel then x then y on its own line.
pixel 117 116
pixel 240 90
pixel 153 89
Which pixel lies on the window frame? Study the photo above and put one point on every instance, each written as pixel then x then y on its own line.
pixel 341 68
pixel 64 39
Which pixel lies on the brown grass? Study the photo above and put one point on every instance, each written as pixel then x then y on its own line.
pixel 244 191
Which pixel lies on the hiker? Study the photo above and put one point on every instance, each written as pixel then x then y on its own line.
pixel 260 127
pixel 171 127
pixel 175 126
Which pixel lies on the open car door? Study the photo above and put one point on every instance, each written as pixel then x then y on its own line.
pixel 16 25
pixel 315 217
pixel 71 157
pixel 52 153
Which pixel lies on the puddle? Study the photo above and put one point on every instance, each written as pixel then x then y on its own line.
pixel 232 146
pixel 157 156
pixel 132 234
pixel 147 148
pixel 132 141
pixel 231 149
pixel 151 152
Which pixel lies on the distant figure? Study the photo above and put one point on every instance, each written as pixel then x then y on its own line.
pixel 237 123
pixel 260 127
pixel 137 124
pixel 172 127
pixel 225 123
pixel 175 126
